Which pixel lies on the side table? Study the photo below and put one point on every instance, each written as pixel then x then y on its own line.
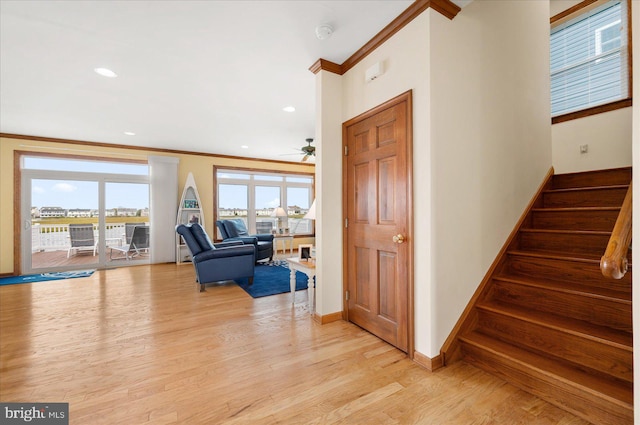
pixel 308 268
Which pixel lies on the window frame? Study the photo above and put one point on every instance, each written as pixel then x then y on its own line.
pixel 579 9
pixel 251 184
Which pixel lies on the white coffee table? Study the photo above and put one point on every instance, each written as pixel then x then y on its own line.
pixel 308 268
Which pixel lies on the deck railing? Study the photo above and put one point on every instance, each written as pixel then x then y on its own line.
pixel 55 237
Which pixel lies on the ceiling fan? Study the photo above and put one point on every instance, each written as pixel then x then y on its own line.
pixel 308 150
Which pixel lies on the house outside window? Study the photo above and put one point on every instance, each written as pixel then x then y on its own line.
pixel 253 196
pixel 589 58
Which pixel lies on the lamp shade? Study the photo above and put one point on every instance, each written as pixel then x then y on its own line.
pixel 311 214
pixel 279 212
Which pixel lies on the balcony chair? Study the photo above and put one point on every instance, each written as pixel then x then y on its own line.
pixel 138 244
pixel 82 238
pixel 217 262
pixel 128 230
pixel 236 230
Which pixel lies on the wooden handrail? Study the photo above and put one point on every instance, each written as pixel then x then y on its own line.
pixel 614 263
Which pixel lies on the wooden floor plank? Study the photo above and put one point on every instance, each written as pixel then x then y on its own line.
pixel 141 345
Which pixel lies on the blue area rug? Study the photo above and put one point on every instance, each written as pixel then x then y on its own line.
pixel 272 279
pixel 29 278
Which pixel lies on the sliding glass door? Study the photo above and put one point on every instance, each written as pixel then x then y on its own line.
pixel 62 224
pixel 74 219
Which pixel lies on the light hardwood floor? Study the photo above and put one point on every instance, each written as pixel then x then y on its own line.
pixel 141 345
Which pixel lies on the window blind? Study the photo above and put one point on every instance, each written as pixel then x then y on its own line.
pixel 589 59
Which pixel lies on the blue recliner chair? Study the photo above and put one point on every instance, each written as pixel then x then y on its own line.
pixel 235 229
pixel 216 262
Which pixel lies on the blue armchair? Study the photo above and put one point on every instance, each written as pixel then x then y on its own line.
pixel 216 262
pixel 235 229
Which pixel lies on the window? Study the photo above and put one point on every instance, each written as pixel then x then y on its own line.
pixel 589 58
pixel 255 196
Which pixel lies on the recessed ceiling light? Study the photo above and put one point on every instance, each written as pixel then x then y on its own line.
pixel 129 133
pixel 289 109
pixel 244 147
pixel 106 72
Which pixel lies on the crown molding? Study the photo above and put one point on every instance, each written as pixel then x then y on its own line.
pixel 144 148
pixel 444 7
pixel 323 64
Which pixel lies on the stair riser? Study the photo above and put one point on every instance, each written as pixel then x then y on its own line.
pixel 562 270
pixel 582 244
pixel 578 401
pixel 599 178
pixel 597 311
pixel 575 220
pixel 585 198
pixel 586 354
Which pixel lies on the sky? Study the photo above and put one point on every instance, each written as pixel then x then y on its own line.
pixel 84 194
pixel 81 194
pixel 235 196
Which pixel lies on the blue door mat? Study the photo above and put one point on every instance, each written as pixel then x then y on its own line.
pixel 29 278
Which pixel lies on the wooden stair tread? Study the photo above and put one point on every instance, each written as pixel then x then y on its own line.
pixel 600 334
pixel 586 188
pixel 592 178
pixel 566 231
pixel 613 391
pixel 602 293
pixel 574 209
pixel 555 256
pixel 563 241
pixel 563 256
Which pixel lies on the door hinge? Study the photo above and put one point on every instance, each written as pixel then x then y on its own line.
pixel 346 295
pixel 346 150
pixel 346 222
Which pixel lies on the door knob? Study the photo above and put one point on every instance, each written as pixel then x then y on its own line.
pixel 399 238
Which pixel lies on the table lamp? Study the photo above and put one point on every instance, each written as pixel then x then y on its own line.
pixel 282 215
pixel 311 214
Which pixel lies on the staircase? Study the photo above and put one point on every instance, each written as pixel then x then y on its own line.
pixel 547 320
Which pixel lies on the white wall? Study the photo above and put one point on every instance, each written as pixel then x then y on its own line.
pixel 608 135
pixel 490 141
pixel 328 193
pixel 636 216
pixel 557 6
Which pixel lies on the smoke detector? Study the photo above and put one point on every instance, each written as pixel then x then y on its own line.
pixel 324 31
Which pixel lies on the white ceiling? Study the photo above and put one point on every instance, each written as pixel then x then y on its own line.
pixel 204 76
